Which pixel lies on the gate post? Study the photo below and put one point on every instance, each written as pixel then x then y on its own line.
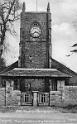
pixel 35 98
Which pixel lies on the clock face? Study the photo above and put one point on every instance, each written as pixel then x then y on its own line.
pixel 35 31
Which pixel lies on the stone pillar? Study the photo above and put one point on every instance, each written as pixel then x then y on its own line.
pixel 60 85
pixel 0 81
pixel 18 84
pixel 52 85
pixel 12 85
pixel 50 82
pixel 35 98
pixel 19 98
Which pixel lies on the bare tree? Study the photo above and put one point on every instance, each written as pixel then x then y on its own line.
pixel 8 14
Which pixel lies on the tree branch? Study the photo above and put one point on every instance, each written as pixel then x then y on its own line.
pixel 9 11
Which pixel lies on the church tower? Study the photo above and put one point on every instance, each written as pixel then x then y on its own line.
pixel 35 39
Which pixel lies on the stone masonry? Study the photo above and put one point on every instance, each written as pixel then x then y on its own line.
pixel 34 52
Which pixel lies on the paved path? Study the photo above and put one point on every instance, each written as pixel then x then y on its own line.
pixel 38 117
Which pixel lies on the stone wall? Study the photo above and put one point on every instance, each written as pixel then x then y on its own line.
pixel 2 96
pixel 69 95
pixel 11 97
pixel 55 98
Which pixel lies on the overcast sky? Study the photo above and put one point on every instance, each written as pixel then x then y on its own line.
pixel 64 31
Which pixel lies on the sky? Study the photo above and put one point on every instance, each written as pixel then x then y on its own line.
pixel 64 31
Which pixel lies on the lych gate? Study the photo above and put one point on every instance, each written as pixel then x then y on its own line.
pixel 38 95
pixel 34 77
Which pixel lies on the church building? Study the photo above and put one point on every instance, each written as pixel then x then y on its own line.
pixel 36 78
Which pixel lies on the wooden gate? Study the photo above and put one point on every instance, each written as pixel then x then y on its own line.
pixel 27 98
pixel 43 99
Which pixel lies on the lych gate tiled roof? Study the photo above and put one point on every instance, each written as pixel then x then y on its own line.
pixel 61 67
pixel 25 72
